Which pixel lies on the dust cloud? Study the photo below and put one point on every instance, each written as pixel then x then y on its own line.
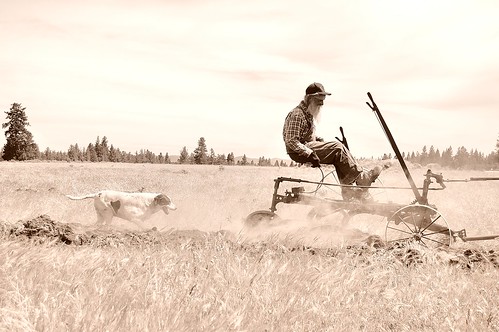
pixel 307 232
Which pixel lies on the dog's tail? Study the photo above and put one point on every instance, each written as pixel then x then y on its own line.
pixel 81 197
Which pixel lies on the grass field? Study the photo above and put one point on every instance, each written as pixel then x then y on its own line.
pixel 204 271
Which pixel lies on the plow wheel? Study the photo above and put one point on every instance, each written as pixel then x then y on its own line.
pixel 261 218
pixel 418 223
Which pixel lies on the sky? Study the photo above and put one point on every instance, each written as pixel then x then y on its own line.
pixel 160 74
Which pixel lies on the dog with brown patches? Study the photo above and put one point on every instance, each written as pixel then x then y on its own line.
pixel 134 207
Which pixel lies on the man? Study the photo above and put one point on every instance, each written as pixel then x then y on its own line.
pixel 303 146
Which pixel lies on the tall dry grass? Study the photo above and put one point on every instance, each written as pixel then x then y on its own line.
pixel 290 278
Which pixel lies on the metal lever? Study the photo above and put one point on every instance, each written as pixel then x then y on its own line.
pixel 343 138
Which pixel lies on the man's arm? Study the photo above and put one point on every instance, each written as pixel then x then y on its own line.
pixel 292 129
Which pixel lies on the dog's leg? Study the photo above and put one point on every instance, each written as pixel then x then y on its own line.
pixel 104 217
pixel 104 211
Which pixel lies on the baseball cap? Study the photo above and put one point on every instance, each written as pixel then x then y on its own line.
pixel 316 88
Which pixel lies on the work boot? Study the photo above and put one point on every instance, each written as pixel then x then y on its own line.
pixel 367 177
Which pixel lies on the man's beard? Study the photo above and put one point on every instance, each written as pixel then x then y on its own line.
pixel 315 110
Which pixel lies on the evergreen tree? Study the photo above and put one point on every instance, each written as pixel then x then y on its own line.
pixel 104 149
pixel 74 153
pixel 91 154
pixel 461 157
pixel 46 155
pixel 230 158
pixel 98 149
pixel 221 159
pixel 113 154
pixel 432 155
pixel 423 158
pixel 200 154
pixel 446 157
pixel 212 157
pixel 497 150
pixel 20 144
pixel 244 160
pixel 184 156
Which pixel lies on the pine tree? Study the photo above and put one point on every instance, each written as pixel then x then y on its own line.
pixel 91 154
pixel 447 157
pixel 497 150
pixel 200 154
pixel 230 158
pixel 244 160
pixel 104 149
pixel 212 157
pixel 432 155
pixel 423 158
pixel 74 153
pixel 221 159
pixel 98 149
pixel 462 157
pixel 184 156
pixel 20 144
pixel 113 154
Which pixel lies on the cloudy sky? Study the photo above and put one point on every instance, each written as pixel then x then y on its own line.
pixel 160 74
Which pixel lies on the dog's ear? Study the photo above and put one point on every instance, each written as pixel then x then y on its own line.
pixel 116 206
pixel 164 201
pixel 160 200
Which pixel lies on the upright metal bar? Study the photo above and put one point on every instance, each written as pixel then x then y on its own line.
pixel 414 188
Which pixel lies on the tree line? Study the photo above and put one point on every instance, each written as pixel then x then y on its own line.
pixel 472 159
pixel 21 146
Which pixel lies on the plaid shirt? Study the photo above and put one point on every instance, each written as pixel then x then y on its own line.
pixel 299 129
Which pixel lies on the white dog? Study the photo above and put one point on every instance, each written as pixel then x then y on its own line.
pixel 134 207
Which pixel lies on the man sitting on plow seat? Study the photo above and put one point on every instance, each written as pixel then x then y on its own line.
pixel 303 146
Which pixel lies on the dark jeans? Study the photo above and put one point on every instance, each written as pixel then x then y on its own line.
pixel 334 153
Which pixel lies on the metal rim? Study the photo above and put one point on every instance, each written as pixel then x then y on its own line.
pixel 418 223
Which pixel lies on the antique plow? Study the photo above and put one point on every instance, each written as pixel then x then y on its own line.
pixel 418 221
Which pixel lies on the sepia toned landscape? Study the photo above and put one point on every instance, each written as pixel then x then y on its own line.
pixel 155 166
pixel 201 268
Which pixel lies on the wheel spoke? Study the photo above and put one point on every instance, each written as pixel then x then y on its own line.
pixel 432 222
pixel 434 239
pixel 414 223
pixel 406 225
pixel 402 239
pixel 399 230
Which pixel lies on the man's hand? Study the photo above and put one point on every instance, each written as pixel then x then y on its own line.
pixel 319 139
pixel 314 159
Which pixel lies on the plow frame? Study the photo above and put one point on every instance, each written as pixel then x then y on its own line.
pixel 417 221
